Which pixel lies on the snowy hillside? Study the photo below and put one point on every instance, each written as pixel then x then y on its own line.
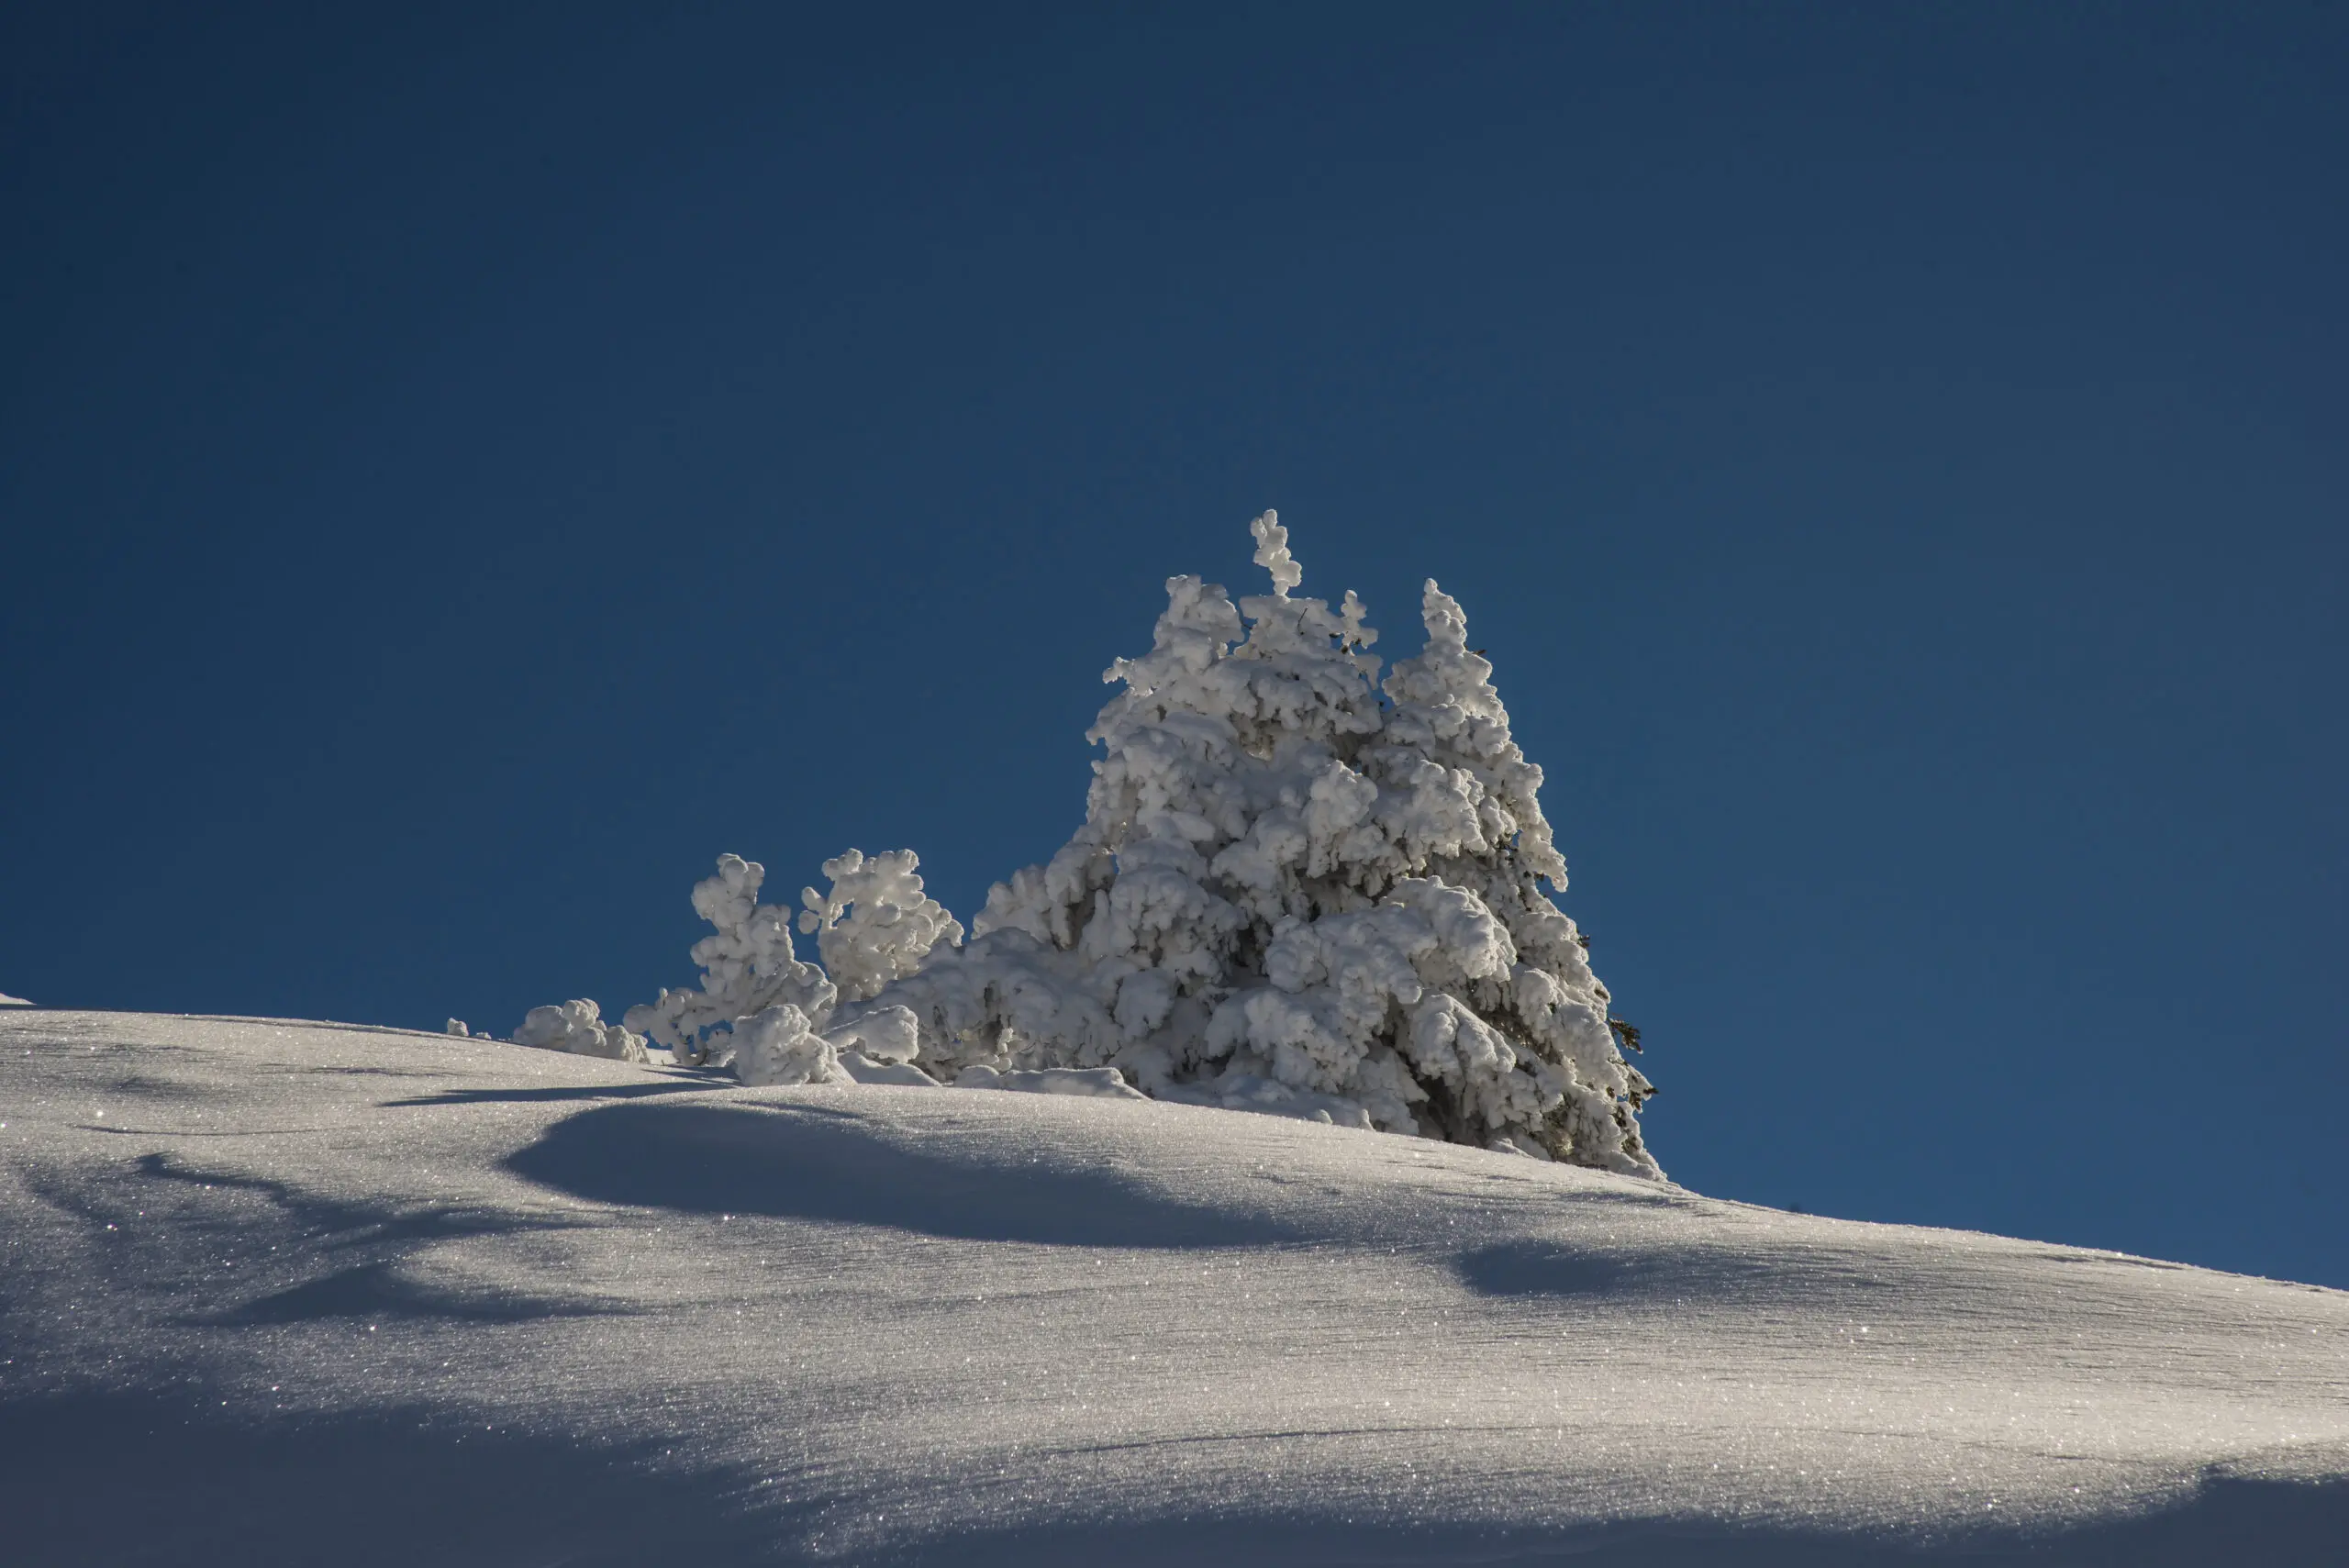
pixel 311 1293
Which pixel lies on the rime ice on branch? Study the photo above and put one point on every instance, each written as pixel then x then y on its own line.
pixel 876 924
pixel 770 1015
pixel 747 966
pixel 1299 888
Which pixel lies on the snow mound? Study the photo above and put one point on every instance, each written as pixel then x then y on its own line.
pixel 283 1292
pixel 1086 1082
pixel 858 1068
pixel 575 1025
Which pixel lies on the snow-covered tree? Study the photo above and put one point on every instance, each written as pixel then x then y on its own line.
pixel 577 1026
pixel 761 1009
pixel 1296 889
pixel 876 924
pixel 783 1045
pixel 1460 804
pixel 747 964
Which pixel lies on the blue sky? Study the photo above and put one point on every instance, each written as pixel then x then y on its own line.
pixel 464 468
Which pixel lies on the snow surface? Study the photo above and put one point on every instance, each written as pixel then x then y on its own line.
pixel 312 1293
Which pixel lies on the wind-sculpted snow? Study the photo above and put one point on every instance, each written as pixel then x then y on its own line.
pixel 289 1293
pixel 820 1162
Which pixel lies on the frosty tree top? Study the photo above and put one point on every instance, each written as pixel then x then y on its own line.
pixel 1298 888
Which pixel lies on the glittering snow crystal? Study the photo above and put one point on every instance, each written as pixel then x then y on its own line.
pixel 1295 889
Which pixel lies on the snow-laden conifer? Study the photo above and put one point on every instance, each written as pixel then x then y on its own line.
pixel 768 1014
pixel 876 924
pixel 747 965
pixel 1461 805
pixel 1295 889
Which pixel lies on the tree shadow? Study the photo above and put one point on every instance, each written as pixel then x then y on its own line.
pixel 558 1095
pixel 2276 1524
pixel 382 1292
pixel 150 1478
pixel 386 1235
pixel 336 1222
pixel 787 1163
pixel 1556 1268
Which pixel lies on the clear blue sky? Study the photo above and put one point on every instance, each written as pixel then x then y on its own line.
pixel 462 468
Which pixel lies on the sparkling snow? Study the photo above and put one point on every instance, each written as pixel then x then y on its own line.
pixel 314 1293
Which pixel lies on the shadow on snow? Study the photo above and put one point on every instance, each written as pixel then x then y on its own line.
pixel 805 1164
pixel 152 1478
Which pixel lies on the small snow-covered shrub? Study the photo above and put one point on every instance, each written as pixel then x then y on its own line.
pixel 1299 888
pixel 876 924
pixel 759 1007
pixel 578 1027
pixel 782 1046
pixel 779 1047
pixel 747 966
